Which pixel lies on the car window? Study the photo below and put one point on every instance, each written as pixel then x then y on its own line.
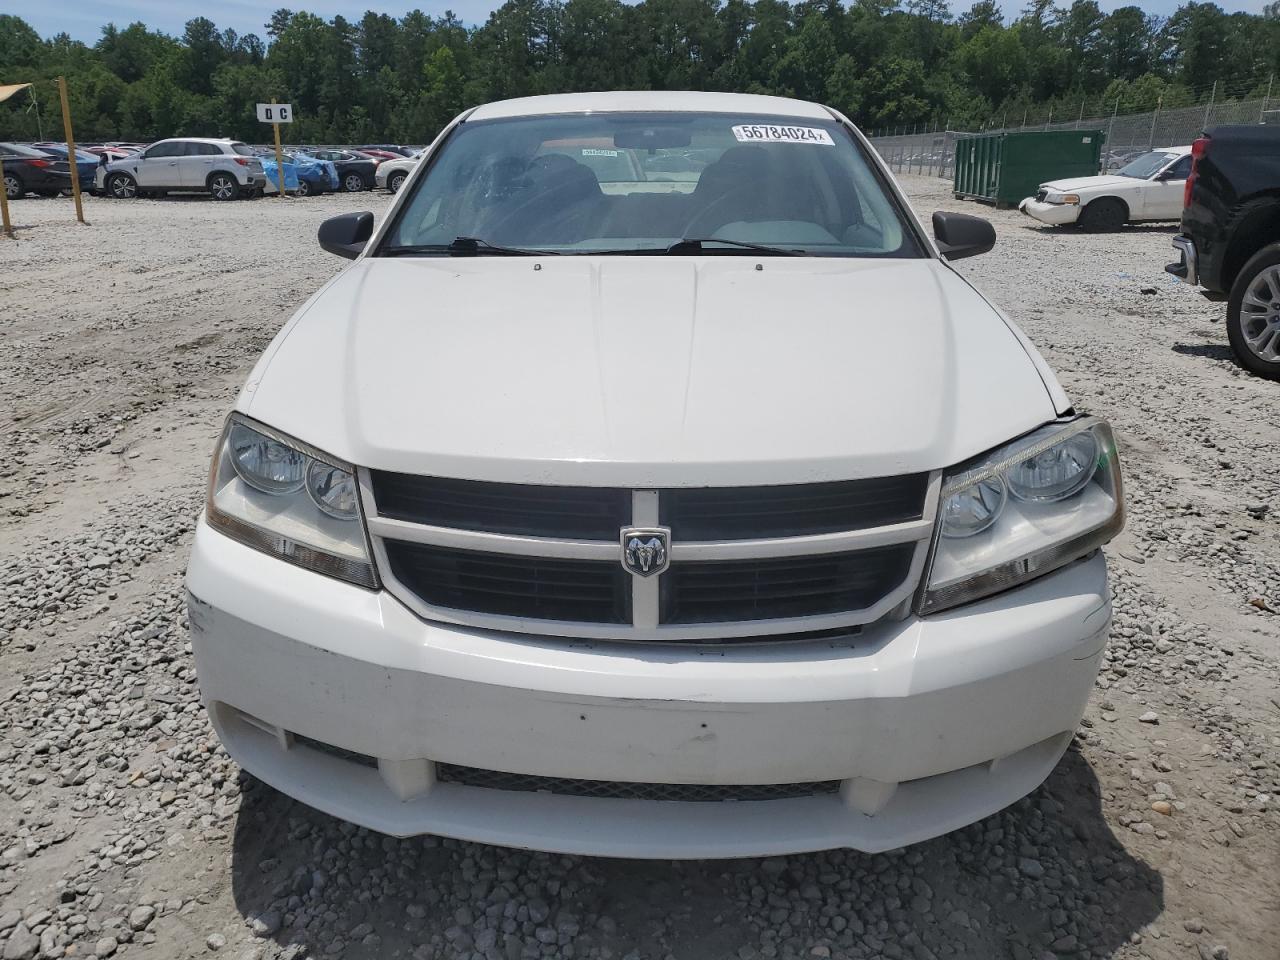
pixel 626 182
pixel 173 148
pixel 1146 166
pixel 242 149
pixel 1180 170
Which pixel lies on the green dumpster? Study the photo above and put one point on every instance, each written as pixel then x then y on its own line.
pixel 1006 168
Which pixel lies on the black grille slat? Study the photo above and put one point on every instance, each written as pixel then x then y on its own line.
pixel 622 790
pixel 586 513
pixel 539 587
pixel 792 510
pixel 738 590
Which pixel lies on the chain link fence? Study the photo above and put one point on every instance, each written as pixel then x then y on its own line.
pixel 933 154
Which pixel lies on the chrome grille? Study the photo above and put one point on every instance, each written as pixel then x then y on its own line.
pixel 744 562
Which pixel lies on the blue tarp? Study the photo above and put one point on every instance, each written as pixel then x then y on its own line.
pixel 273 177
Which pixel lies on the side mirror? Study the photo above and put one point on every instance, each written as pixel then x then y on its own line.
pixel 960 235
pixel 347 234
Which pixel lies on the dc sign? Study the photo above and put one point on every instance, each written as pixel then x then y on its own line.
pixel 275 112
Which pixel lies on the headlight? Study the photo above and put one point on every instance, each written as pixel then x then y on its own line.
pixel 1023 510
pixel 1052 197
pixel 288 499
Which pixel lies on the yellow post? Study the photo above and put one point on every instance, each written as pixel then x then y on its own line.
pixel 71 148
pixel 4 205
pixel 279 155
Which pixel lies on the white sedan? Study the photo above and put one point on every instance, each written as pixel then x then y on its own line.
pixel 1149 187
pixel 632 522
pixel 392 174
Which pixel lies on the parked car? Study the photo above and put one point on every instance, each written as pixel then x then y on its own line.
pixel 355 173
pixel 392 174
pixel 28 170
pixel 314 176
pixel 379 156
pixel 389 148
pixel 1230 239
pixel 1147 188
pixel 225 169
pixel 269 169
pixel 637 522
pixel 86 163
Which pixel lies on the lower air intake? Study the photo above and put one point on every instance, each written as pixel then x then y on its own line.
pixel 618 790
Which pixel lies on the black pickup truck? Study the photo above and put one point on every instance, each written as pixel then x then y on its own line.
pixel 1230 240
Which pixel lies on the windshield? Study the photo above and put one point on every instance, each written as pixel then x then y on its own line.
pixel 1147 165
pixel 641 182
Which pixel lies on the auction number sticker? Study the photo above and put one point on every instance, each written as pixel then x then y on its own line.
pixel 770 133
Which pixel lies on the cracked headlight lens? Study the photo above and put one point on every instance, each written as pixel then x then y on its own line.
pixel 1023 510
pixel 286 498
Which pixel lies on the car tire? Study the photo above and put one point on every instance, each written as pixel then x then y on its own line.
pixel 1253 314
pixel 121 186
pixel 223 186
pixel 304 189
pixel 1105 213
pixel 13 188
pixel 353 183
pixel 396 182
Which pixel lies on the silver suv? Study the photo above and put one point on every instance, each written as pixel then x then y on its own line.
pixel 225 169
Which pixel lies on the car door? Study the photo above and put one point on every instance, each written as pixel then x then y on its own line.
pixel 197 163
pixel 158 166
pixel 1164 192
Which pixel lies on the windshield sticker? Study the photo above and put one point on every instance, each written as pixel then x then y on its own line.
pixel 768 133
pixel 596 152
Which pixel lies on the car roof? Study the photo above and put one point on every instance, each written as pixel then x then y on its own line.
pixel 220 141
pixel 675 101
pixel 1186 149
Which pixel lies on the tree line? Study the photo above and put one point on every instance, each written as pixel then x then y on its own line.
pixel 882 63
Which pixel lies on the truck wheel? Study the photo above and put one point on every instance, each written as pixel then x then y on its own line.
pixel 1105 213
pixel 1253 314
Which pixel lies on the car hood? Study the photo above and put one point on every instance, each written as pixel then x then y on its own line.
pixel 1075 184
pixel 650 371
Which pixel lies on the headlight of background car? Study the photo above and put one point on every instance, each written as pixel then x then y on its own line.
pixel 1025 509
pixel 285 498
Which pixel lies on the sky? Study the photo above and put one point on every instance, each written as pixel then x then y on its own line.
pixel 83 19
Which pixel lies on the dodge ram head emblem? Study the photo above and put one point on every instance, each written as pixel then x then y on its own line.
pixel 644 550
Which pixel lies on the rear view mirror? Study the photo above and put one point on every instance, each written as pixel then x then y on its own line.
pixel 347 234
pixel 649 138
pixel 960 235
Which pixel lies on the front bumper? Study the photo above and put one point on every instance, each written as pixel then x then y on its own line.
pixel 1056 214
pixel 345 700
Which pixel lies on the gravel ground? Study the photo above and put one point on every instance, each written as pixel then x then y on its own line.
pixel 125 829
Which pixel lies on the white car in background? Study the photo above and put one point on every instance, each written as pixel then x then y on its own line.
pixel 636 522
pixel 391 174
pixel 224 169
pixel 1149 187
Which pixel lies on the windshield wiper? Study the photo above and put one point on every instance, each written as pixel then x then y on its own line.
pixel 465 247
pixel 695 245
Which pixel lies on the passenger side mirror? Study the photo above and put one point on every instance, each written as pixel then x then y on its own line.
pixel 347 234
pixel 960 235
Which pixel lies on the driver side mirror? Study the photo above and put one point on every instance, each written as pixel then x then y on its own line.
pixel 960 235
pixel 347 234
